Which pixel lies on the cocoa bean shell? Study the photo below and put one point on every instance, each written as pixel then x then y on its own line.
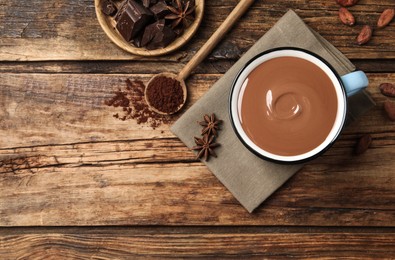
pixel 346 17
pixel 363 144
pixel 365 35
pixel 385 18
pixel 387 89
pixel 346 3
pixel 389 108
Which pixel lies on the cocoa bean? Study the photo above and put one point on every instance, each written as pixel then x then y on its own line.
pixel 389 108
pixel 365 35
pixel 346 3
pixel 346 17
pixel 387 89
pixel 385 18
pixel 363 144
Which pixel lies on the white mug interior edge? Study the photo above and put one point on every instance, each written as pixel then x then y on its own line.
pixel 239 88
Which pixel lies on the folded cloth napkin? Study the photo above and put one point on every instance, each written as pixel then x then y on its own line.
pixel 250 179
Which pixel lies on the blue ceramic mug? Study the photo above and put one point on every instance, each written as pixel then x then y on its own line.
pixel 344 86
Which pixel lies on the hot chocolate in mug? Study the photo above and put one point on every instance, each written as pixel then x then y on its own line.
pixel 289 105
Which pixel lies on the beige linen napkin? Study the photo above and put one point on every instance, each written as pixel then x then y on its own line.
pixel 250 179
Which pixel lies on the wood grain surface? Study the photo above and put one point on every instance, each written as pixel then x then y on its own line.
pixel 77 183
pixel 64 150
pixel 68 30
pixel 256 243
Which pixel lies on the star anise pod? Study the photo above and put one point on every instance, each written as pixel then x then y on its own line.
pixel 181 13
pixel 211 125
pixel 205 146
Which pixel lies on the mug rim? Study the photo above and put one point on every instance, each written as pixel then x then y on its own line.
pixel 336 134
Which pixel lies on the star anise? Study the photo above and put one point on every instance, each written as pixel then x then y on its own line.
pixel 205 146
pixel 181 13
pixel 211 125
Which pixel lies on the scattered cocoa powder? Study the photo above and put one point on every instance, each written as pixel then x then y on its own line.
pixel 165 94
pixel 134 106
pixel 119 99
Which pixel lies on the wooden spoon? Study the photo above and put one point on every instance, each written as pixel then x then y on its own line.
pixel 237 12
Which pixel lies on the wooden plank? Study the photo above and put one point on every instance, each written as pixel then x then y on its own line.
pixel 39 109
pixel 62 108
pixel 92 164
pixel 218 64
pixel 152 182
pixel 159 243
pixel 68 30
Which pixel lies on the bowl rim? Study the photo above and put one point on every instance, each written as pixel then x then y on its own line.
pixel 335 136
pixel 117 39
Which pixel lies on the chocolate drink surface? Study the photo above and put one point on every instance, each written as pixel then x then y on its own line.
pixel 288 106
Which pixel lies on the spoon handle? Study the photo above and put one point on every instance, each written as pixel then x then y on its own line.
pixel 237 12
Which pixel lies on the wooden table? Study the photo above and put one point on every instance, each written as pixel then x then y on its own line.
pixel 75 182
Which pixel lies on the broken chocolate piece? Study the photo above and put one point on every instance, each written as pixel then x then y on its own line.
pixel 151 30
pixel 179 31
pixel 121 9
pixel 137 40
pixel 157 35
pixel 146 3
pixel 160 9
pixel 108 7
pixel 162 38
pixel 131 19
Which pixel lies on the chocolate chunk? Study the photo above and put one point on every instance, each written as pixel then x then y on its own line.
pixel 162 38
pixel 121 9
pixel 146 3
pixel 108 7
pixel 179 30
pixel 137 40
pixel 132 18
pixel 160 9
pixel 151 30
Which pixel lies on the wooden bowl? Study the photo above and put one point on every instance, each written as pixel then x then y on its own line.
pixel 107 23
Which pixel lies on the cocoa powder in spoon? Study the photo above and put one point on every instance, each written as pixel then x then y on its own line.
pixel 165 94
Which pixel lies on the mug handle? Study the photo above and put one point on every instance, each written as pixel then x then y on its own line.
pixel 354 82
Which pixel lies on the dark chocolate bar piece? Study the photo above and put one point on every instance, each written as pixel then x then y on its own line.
pixel 151 30
pixel 161 38
pixel 137 40
pixel 160 9
pixel 108 7
pixel 132 18
pixel 146 3
pixel 121 9
pixel 166 37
